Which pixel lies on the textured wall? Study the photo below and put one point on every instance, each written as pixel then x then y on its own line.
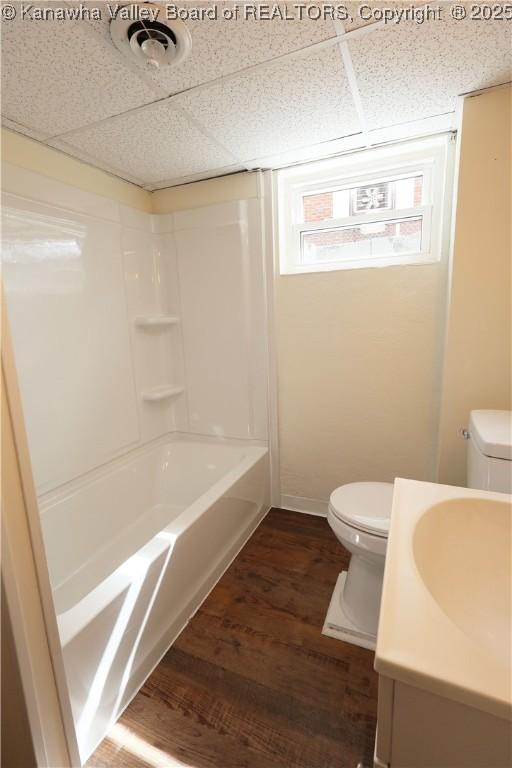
pixel 359 355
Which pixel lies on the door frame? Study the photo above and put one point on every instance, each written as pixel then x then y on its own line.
pixel 27 586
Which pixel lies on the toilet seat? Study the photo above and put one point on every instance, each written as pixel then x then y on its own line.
pixel 365 506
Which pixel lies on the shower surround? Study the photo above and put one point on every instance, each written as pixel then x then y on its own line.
pixel 141 351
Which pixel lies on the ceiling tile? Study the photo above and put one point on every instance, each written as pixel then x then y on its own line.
pixel 57 75
pixel 150 144
pixel 80 154
pixel 408 71
pixel 221 47
pixel 294 102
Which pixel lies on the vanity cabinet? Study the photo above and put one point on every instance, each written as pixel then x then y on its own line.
pixel 418 729
pixel 443 643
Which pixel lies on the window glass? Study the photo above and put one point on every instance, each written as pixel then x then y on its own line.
pixel 370 240
pixel 357 200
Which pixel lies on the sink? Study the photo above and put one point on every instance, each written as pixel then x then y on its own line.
pixel 462 549
pixel 445 618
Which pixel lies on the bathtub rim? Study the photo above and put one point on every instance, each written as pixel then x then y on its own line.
pixel 47 499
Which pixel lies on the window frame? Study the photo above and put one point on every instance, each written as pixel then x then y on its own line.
pixel 430 158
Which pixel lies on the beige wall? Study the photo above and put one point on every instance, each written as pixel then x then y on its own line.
pixel 477 372
pixel 359 355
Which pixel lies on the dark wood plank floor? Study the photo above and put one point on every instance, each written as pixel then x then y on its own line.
pixel 251 682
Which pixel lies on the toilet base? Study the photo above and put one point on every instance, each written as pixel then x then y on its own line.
pixel 339 626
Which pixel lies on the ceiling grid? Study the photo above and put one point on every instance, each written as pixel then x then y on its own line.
pixel 351 77
pixel 283 90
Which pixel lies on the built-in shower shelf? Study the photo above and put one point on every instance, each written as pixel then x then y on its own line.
pixel 156 321
pixel 162 392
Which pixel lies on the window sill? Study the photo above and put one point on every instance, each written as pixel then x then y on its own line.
pixel 411 260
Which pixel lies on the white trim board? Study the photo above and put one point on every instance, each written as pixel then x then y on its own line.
pixel 268 202
pixel 304 505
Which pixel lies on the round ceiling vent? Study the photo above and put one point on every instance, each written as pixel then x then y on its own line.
pixel 140 33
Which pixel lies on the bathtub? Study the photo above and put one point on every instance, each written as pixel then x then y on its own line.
pixel 133 549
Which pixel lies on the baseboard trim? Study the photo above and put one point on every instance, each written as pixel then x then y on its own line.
pixel 304 505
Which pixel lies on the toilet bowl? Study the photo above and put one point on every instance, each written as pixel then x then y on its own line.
pixel 359 515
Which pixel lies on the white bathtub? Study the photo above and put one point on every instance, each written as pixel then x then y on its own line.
pixel 133 550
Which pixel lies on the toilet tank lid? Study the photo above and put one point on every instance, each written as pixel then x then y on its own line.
pixel 492 432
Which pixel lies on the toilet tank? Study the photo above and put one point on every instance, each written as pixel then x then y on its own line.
pixel 489 451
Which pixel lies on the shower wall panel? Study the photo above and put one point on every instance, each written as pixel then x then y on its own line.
pixel 63 273
pixel 220 275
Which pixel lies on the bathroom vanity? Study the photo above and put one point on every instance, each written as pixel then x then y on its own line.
pixel 444 641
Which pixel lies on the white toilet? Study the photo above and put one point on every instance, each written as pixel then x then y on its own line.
pixel 359 514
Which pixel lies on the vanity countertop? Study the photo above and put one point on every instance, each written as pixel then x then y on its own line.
pixel 445 620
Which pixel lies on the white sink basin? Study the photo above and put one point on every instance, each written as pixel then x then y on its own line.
pixel 445 620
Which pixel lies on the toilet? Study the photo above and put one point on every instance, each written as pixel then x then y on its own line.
pixel 359 515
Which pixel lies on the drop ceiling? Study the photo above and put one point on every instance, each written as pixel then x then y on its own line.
pixel 251 94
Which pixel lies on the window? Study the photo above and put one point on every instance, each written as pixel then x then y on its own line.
pixel 377 207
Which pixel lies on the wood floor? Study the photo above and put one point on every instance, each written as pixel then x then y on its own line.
pixel 251 682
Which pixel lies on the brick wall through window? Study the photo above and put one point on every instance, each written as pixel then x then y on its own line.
pixel 318 207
